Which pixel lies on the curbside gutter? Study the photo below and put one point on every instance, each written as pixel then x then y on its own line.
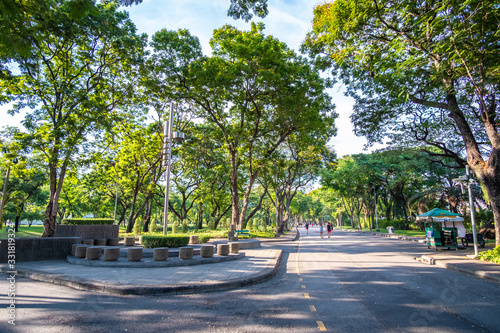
pixel 122 289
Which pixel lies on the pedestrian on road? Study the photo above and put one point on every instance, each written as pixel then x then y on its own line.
pixel 329 229
pixel 307 228
pixel 321 229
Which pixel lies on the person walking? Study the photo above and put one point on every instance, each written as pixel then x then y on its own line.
pixel 307 228
pixel 321 229
pixel 329 229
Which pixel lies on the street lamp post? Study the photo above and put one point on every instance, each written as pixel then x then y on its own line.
pixel 113 163
pixel 376 215
pixel 168 139
pixel 467 181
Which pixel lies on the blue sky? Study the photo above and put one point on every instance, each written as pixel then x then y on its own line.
pixel 288 21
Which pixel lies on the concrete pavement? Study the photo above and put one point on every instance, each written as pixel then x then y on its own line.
pixel 460 261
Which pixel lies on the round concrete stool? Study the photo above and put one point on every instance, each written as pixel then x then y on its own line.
pixel 185 253
pixel 223 249
pixel 73 248
pixel 88 241
pixel 194 239
pixel 93 253
pixel 234 247
pixel 100 241
pixel 160 253
pixel 207 251
pixel 134 254
pixel 111 254
pixel 81 250
pixel 113 241
pixel 129 241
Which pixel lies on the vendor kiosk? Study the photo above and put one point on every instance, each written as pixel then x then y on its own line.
pixel 442 228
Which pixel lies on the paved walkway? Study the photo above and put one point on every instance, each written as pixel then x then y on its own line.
pixel 459 261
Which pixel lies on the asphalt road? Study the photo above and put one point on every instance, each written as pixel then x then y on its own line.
pixel 351 282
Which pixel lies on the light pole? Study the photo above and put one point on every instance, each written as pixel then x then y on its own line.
pixel 376 215
pixel 113 163
pixel 168 139
pixel 467 181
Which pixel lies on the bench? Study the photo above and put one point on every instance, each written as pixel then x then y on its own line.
pixel 242 232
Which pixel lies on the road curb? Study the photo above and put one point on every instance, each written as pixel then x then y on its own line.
pixel 96 286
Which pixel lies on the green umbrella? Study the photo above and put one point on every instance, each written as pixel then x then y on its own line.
pixel 439 213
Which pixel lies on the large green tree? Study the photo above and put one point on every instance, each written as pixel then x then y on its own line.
pixel 257 92
pixel 421 72
pixel 77 73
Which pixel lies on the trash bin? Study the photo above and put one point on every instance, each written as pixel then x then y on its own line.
pixel 390 230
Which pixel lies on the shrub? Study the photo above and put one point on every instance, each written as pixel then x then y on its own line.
pixel 203 238
pixel 185 227
pixel 175 227
pixel 490 255
pixel 151 242
pixel 255 226
pixel 211 224
pixel 226 223
pixel 137 228
pixel 154 226
pixel 264 226
pixel 87 221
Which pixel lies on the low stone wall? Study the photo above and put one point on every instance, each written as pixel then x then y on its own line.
pixel 34 249
pixel 87 231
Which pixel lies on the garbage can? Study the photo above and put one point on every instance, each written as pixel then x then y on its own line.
pixel 390 230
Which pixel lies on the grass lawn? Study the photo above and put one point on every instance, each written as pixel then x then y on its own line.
pixel 24 231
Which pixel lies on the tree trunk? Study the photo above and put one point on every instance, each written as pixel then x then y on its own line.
pixel 49 224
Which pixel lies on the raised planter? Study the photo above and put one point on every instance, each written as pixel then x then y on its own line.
pixel 160 253
pixel 223 249
pixel 111 254
pixel 185 253
pixel 134 254
pixel 87 231
pixel 207 251
pixel 93 253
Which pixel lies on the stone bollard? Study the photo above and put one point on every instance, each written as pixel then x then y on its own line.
pixel 113 241
pixel 88 242
pixel 81 250
pixel 234 247
pixel 223 249
pixel 129 241
pixel 160 253
pixel 185 253
pixel 193 239
pixel 111 254
pixel 100 241
pixel 207 251
pixel 134 254
pixel 93 253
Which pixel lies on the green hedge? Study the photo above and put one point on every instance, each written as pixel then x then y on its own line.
pixel 203 238
pixel 87 221
pixel 151 242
